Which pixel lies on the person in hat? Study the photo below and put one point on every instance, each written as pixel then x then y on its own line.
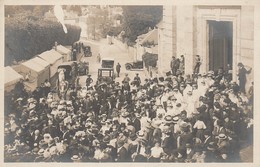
pixel 223 146
pixel 141 153
pixel 185 136
pixel 211 153
pixel 196 69
pixel 89 80
pixel 133 142
pixel 169 143
pixel 182 65
pixel 118 68
pixel 207 138
pixel 242 72
pixel 136 121
pixel 126 79
pixel 174 65
pixel 189 152
pixel 122 154
pixel 137 80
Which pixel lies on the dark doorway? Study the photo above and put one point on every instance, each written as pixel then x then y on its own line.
pixel 220 44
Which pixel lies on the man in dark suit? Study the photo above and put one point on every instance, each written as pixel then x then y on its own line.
pixel 168 143
pixel 208 138
pixel 122 155
pixel 136 122
pixel 36 138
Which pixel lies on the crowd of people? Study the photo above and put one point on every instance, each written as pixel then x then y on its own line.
pixel 174 118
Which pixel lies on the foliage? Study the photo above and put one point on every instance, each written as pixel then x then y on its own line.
pixel 138 19
pixel 27 34
pixel 76 9
pixel 150 59
pixel 99 25
pixel 34 10
pixel 148 44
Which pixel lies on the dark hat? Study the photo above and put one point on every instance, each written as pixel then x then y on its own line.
pixel 122 125
pixel 211 146
pixel 132 136
pixel 207 132
pixel 201 108
pixel 240 64
pixel 120 143
pixel 106 139
pixel 233 105
pixel 178 105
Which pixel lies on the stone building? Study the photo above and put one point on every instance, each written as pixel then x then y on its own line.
pixel 221 35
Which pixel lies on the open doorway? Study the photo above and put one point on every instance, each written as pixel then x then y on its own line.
pixel 220 44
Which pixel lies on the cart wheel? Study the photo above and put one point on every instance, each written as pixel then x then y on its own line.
pixel 128 67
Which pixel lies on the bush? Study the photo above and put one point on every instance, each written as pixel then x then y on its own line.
pixel 27 37
pixel 150 59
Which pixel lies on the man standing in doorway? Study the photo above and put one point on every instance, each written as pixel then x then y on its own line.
pixel 197 65
pixel 118 68
pixel 174 65
pixel 242 71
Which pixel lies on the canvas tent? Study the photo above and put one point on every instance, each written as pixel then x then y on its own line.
pixel 39 71
pixel 11 78
pixel 53 58
pixel 66 53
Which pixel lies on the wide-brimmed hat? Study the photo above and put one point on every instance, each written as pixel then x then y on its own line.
pixel 175 119
pixel 125 114
pixel 168 119
pixel 222 136
pixel 211 146
pixel 103 115
pixel 31 100
pixel 19 99
pixel 75 157
pixel 140 134
pixel 188 145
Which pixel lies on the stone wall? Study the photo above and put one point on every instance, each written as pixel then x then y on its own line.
pixel 247 40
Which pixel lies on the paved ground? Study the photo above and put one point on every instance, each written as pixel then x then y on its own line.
pixel 116 51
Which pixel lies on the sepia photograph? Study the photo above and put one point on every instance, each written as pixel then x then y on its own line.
pixel 136 83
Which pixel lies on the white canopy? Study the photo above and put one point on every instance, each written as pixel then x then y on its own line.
pixel 11 77
pixel 63 49
pixel 51 56
pixel 36 64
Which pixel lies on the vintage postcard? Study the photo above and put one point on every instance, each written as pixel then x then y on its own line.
pixel 112 82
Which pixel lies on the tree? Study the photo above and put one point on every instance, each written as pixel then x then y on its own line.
pixel 138 19
pixel 27 35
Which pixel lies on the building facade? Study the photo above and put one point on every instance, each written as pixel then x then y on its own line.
pixel 221 35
